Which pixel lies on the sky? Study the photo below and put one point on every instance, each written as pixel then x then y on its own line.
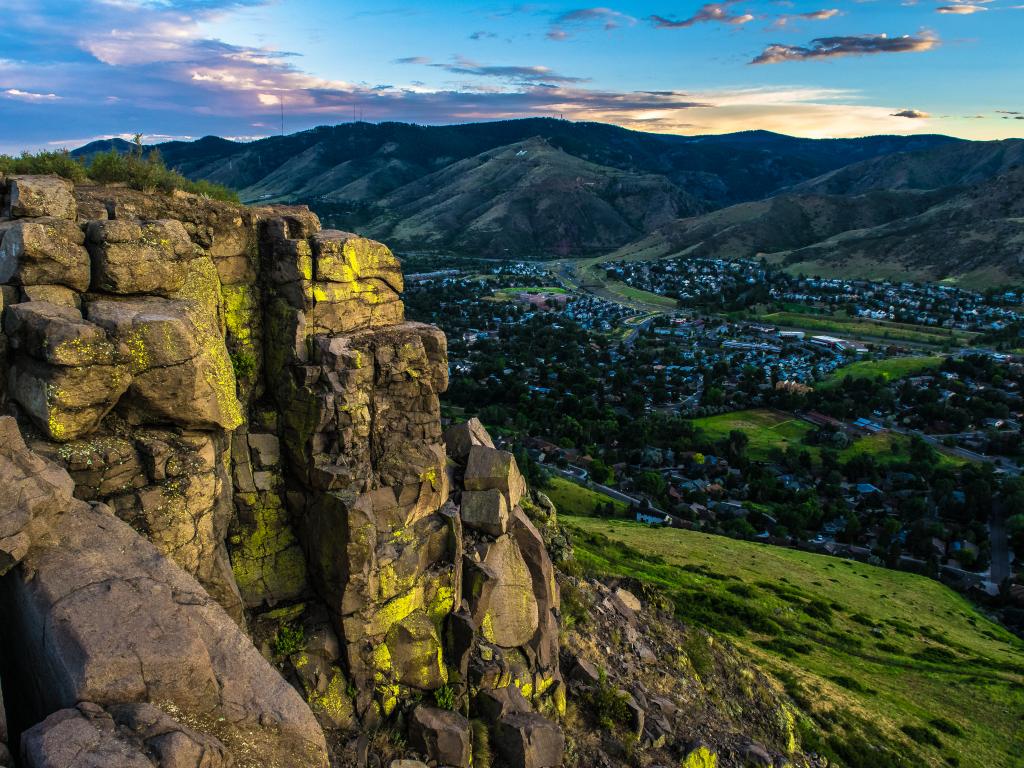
pixel 71 72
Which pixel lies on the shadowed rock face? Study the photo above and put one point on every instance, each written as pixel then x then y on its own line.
pixel 227 450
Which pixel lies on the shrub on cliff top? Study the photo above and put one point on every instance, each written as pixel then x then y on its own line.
pixel 137 169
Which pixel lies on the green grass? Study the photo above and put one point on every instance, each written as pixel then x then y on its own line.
pixel 766 429
pixel 869 655
pixel 880 447
pixel 509 294
pixel 859 328
pixel 891 369
pixel 573 499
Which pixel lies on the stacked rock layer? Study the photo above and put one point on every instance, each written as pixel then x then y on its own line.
pixel 226 439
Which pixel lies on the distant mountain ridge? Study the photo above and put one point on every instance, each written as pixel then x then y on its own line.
pixel 604 187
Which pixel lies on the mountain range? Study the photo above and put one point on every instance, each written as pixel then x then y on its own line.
pixel 924 207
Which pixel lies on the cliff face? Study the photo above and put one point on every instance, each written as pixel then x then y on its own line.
pixel 226 437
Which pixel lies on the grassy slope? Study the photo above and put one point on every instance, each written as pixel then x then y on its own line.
pixel 573 499
pixel 890 369
pixel 863 650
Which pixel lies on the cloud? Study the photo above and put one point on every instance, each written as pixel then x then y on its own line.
pixel 832 47
pixel 606 18
pixel 706 13
pixel 412 60
pixel 526 74
pixel 1008 112
pixel 482 35
pixel 913 114
pixel 15 93
pixel 962 9
pixel 822 15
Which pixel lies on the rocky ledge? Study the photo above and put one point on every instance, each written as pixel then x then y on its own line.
pixel 233 532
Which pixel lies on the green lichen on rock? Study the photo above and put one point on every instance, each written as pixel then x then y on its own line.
pixel 701 757
pixel 266 558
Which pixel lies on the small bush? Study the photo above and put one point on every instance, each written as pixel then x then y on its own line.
pixel 244 363
pixel 444 697
pixel 609 705
pixel 922 735
pixel 935 655
pixel 59 163
pixel 290 638
pixel 850 684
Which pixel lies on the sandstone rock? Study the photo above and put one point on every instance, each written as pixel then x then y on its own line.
pixel 181 375
pixel 440 735
pixel 154 261
pixel 66 402
pixel 54 294
pixel 415 651
pixel 342 257
pixel 756 756
pixel 122 624
pixel 459 438
pixel 489 468
pixel 407 764
pixel 266 557
pixel 33 196
pixel 125 737
pixel 44 252
pixel 584 672
pixel 266 449
pixel 485 511
pixel 101 465
pixel 528 740
pixel 627 599
pixel 33 488
pixel 511 618
pixel 494 704
pixel 57 335
pixel 700 756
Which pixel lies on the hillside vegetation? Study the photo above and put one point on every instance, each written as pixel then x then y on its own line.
pixel 887 668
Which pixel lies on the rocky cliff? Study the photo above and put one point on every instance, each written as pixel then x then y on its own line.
pixel 232 531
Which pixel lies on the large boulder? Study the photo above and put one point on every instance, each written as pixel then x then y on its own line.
pixel 33 196
pixel 441 736
pixel 44 252
pixel 529 740
pixel 57 334
pixel 107 618
pixel 66 402
pixel 342 257
pixel 139 257
pixel 125 736
pixel 511 617
pixel 485 511
pixel 488 468
pixel 460 438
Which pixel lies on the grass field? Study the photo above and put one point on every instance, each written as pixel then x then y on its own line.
pixel 890 369
pixel 858 328
pixel 508 294
pixel 880 446
pixel 887 668
pixel 767 430
pixel 573 499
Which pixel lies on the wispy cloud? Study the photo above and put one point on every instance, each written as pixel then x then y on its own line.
pixel 710 12
pixel 851 45
pixel 17 93
pixel 412 60
pixel 822 15
pixel 525 74
pixel 607 19
pixel 962 9
pixel 913 114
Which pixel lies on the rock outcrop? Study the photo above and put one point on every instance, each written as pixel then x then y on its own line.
pixel 234 524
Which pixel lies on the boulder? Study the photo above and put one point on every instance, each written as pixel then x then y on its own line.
pixel 33 488
pixel 57 335
pixel 266 449
pixel 342 257
pixel 66 402
pixel 148 257
pixel 181 374
pixel 44 252
pixel 485 511
pixel 756 756
pixel 34 196
pixel 511 617
pixel 494 704
pixel 488 468
pixel 584 672
pixel 458 439
pixel 529 740
pixel 415 650
pixel 54 294
pixel 125 736
pixel 441 736
pixel 122 624
pixel 407 764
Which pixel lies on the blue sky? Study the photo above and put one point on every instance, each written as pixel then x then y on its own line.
pixel 74 71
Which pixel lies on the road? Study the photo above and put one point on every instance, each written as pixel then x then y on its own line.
pixel 614 494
